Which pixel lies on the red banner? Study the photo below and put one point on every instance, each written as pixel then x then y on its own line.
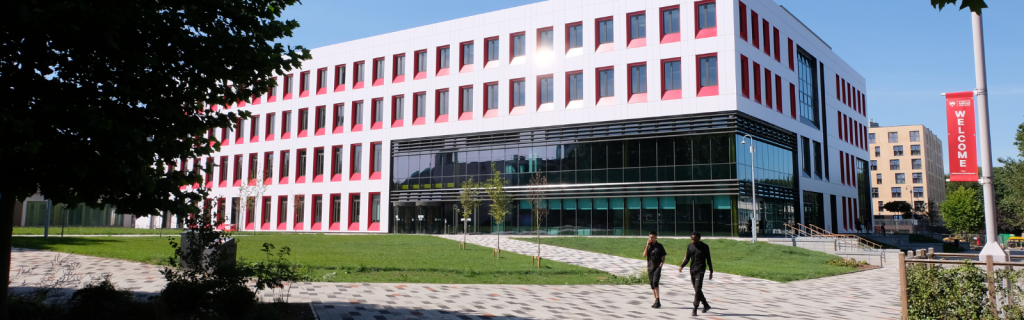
pixel 963 154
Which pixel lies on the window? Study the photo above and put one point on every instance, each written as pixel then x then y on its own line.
pixel 300 169
pixel 706 18
pixel 318 208
pixel 377 115
pixel 671 76
pixel 901 178
pixel 919 193
pixel 545 40
pixel 915 150
pixel 357 113
pixel 339 78
pixel 321 81
pixel 378 70
pixel 806 152
pixel 467 53
pixel 638 79
pixel 518 45
pixel 286 162
pixel 270 126
pixel 605 31
pixel 745 77
pixel 574 36
pixel 399 65
pixel 466 100
pixel 518 93
pixel 894 164
pixel 265 211
pixel 708 66
pixel 915 136
pixel 421 62
pixel 637 26
pixel 743 21
pixel 335 208
pixel 321 119
pixel 303 122
pixel 357 159
pixel 574 82
pixel 397 110
pixel 375 208
pixel 318 164
pixel 272 92
pixel 254 129
pixel 670 21
pixel 546 89
pixel 442 102
pixel 492 50
pixel 918 178
pixel 874 192
pixel 915 164
pixel 304 83
pixel 491 96
pixel 420 106
pixel 817 159
pixel 880 205
pixel 360 75
pixel 878 178
pixel 757 82
pixel 223 177
pixel 443 55
pixel 282 211
pixel 376 162
pixel 894 137
pixel 354 209
pixel 339 117
pixel 918 205
pixel 897 192
pixel 897 150
pixel 878 151
pixel 336 163
pixel 871 139
pixel 808 87
pixel 606 83
pixel 874 165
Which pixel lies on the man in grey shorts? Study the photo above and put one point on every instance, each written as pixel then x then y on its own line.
pixel 655 254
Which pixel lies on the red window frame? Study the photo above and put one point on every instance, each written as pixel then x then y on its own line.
pixel 287 88
pixel 598 46
pixel 775 34
pixel 462 49
pixel 638 42
pixel 334 168
pixel 271 90
pixel 253 159
pixel 630 96
pixel 537 89
pixel 356 82
pixel 839 121
pixel 512 108
pixel 222 178
pixel 566 42
pixel 487 50
pixel 768 88
pixel 670 94
pixel 419 120
pixel 372 226
pixel 375 175
pixel 335 128
pixel 354 176
pixel 709 90
pixel 743 20
pixel 537 36
pixel 316 162
pixel 757 82
pixel 354 225
pixel 438 117
pixel 285 115
pixel 225 137
pixel 669 37
pixel 373 76
pixel 839 92
pixel 790 51
pixel 302 83
pixel 437 61
pixel 303 129
pixel 254 134
pixel 267 135
pixel 266 158
pixel 282 171
pixel 744 77
pixel 321 81
pixel 356 127
pixel 331 225
pixel 767 28
pixel 487 96
pixel 792 100
pixel 463 116
pixel 282 213
pixel 237 175
pixel 299 214
pixel 395 77
pixel 395 122
pixel 300 173
pixel 321 113
pixel 417 75
pixel 706 32
pixel 778 93
pixel 512 45
pixel 568 102
pixel 208 171
pixel 266 204
pixel 376 125
pixel 602 101
pixel 313 224
pixel 339 79
pixel 755 39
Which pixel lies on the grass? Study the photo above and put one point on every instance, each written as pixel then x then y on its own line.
pixel 357 258
pixel 55 231
pixel 760 260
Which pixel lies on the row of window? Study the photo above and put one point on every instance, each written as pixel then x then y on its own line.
pixel 271 219
pixel 915 150
pixel 897 192
pixel 894 137
pixel 848 169
pixel 850 96
pixel 284 171
pixel 771 34
pixel 894 164
pixel 918 205
pixel 852 131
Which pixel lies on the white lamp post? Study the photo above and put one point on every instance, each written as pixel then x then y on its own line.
pixel 753 189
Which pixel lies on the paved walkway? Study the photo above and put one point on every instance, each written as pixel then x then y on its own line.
pixel 862 295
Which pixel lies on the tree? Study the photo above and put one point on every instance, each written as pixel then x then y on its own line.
pixel 469 198
pixel 1009 183
pixel 975 5
pixel 536 199
pixel 963 211
pixel 900 206
pixel 253 191
pixel 99 97
pixel 500 200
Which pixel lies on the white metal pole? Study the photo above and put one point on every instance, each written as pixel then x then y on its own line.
pixel 992 247
pixel 753 190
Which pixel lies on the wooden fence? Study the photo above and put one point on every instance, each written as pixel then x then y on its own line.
pixel 931 258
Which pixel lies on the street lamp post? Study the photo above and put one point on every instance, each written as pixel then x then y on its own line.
pixel 992 247
pixel 753 189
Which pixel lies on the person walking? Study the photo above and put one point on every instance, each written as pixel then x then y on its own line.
pixel 700 254
pixel 655 254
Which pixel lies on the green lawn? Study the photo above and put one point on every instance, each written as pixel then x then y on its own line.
pixel 55 231
pixel 761 260
pixel 356 258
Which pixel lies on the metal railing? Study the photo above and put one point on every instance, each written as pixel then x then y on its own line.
pixel 844 242
pixel 931 258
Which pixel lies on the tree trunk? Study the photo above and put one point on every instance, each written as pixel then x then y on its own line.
pixel 465 230
pixel 499 244
pixel 6 229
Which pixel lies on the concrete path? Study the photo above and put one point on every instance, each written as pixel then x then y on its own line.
pixel 869 294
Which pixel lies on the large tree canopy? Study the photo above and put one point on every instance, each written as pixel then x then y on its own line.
pixel 99 97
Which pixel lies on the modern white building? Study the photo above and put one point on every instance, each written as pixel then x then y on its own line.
pixel 634 111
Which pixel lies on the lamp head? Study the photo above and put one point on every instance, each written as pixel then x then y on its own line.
pixel 743 142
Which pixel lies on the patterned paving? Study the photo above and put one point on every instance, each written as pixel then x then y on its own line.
pixel 863 295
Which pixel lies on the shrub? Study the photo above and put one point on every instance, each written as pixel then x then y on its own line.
pixel 101 300
pixel 947 293
pixel 851 262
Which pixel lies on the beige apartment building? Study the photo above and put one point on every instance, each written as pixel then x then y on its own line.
pixel 906 165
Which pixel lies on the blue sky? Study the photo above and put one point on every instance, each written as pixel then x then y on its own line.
pixel 907 51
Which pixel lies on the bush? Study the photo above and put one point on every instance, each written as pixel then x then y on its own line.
pixel 101 300
pixel 947 293
pixel 851 262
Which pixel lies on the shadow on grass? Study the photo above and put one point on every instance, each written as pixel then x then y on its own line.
pixel 348 310
pixel 52 243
